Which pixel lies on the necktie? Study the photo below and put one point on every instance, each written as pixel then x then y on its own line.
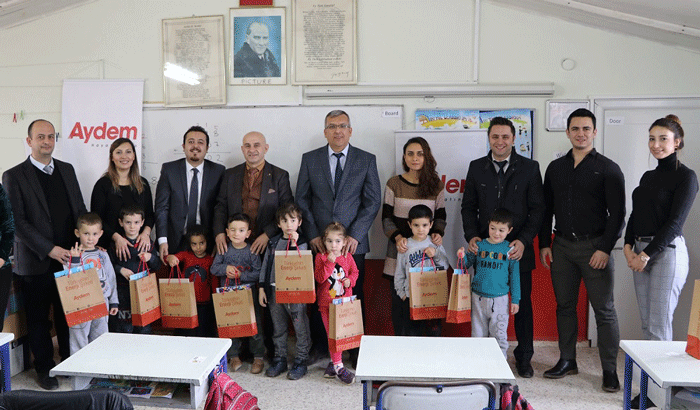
pixel 48 169
pixel 193 200
pixel 252 174
pixel 338 171
pixel 501 167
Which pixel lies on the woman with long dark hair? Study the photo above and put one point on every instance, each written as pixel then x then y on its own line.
pixel 122 185
pixel 419 184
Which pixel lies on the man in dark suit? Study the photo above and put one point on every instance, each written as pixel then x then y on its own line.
pixel 254 59
pixel 256 188
pixel 46 201
pixel 339 182
pixel 186 193
pixel 504 179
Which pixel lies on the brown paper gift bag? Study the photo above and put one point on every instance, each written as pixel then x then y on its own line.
pixel 345 328
pixel 81 294
pixel 178 306
pixel 294 277
pixel 145 301
pixel 235 312
pixel 428 293
pixel 693 346
pixel 459 304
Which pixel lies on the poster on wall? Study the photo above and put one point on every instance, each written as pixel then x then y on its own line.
pixel 194 67
pixel 95 113
pixel 455 119
pixel 258 47
pixel 447 119
pixel 325 42
pixel 453 151
pixel 522 120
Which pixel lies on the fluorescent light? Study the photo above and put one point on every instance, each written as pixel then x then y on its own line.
pixel 472 90
pixel 180 74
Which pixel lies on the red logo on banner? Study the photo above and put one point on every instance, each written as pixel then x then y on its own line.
pixel 102 132
pixel 452 186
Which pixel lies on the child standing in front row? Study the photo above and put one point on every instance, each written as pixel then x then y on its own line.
pixel 240 263
pixel 419 253
pixel 289 220
pixel 131 218
pixel 89 230
pixel 196 266
pixel 494 276
pixel 336 274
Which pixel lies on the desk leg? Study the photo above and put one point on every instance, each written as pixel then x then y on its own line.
pixel 643 386
pixel 366 394
pixel 627 395
pixel 6 371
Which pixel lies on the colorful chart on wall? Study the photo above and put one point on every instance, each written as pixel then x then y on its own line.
pixel 455 119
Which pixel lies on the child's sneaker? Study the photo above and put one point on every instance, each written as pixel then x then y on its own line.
pixel 235 363
pixel 330 371
pixel 298 371
pixel 345 375
pixel 279 365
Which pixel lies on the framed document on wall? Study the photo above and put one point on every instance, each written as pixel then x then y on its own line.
pixel 194 66
pixel 258 47
pixel 325 42
pixel 558 111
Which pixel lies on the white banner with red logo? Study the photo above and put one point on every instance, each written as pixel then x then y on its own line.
pixel 95 113
pixel 453 151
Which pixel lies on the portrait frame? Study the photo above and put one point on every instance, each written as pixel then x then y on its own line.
pixel 244 60
pixel 194 65
pixel 557 111
pixel 334 61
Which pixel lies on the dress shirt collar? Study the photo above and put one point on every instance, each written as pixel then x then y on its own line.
pixel 40 165
pixel 259 167
pixel 344 151
pixel 189 168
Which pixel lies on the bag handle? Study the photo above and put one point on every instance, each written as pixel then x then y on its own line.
pixel 423 259
pixel 173 269
pixel 143 266
pixel 70 263
pixel 291 240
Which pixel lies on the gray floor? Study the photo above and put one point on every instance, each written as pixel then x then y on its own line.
pixel 315 392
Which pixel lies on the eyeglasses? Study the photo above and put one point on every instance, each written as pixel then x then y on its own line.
pixel 336 126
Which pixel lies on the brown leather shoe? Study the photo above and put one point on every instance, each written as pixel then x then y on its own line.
pixel 235 363
pixel 257 366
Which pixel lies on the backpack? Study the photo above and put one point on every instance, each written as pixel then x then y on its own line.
pixel 225 394
pixel 511 399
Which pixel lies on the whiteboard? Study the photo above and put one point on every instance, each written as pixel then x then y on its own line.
pixel 290 132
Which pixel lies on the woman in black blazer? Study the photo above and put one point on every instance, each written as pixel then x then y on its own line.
pixel 120 186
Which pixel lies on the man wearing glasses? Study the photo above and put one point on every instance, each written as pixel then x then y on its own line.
pixel 339 182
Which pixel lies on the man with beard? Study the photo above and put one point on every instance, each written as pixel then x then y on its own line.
pixel 186 193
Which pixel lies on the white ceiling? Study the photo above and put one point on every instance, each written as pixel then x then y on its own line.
pixel 675 22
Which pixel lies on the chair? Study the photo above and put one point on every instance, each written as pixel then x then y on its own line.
pixel 94 399
pixel 475 394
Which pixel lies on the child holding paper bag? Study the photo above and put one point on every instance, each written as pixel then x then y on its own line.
pixel 421 250
pixel 494 276
pixel 89 230
pixel 336 274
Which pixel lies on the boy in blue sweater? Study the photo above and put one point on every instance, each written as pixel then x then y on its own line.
pixel 494 276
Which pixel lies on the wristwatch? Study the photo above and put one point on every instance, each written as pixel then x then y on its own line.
pixel 644 258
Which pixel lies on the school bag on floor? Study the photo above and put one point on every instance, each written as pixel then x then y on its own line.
pixel 511 399
pixel 225 394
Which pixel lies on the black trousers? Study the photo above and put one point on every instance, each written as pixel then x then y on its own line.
pixel 523 322
pixel 39 294
pixel 5 284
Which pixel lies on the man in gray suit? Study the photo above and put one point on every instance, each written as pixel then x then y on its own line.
pixel 339 182
pixel 46 201
pixel 186 193
pixel 256 188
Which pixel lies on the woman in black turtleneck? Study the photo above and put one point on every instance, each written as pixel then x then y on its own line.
pixel 654 245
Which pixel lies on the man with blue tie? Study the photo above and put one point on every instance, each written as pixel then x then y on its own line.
pixel 46 201
pixel 186 193
pixel 340 183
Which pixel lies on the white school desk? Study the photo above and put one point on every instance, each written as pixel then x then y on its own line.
pixel 400 358
pixel 5 339
pixel 666 363
pixel 171 359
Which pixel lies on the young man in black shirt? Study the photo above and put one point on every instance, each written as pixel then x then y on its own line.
pixel 585 192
